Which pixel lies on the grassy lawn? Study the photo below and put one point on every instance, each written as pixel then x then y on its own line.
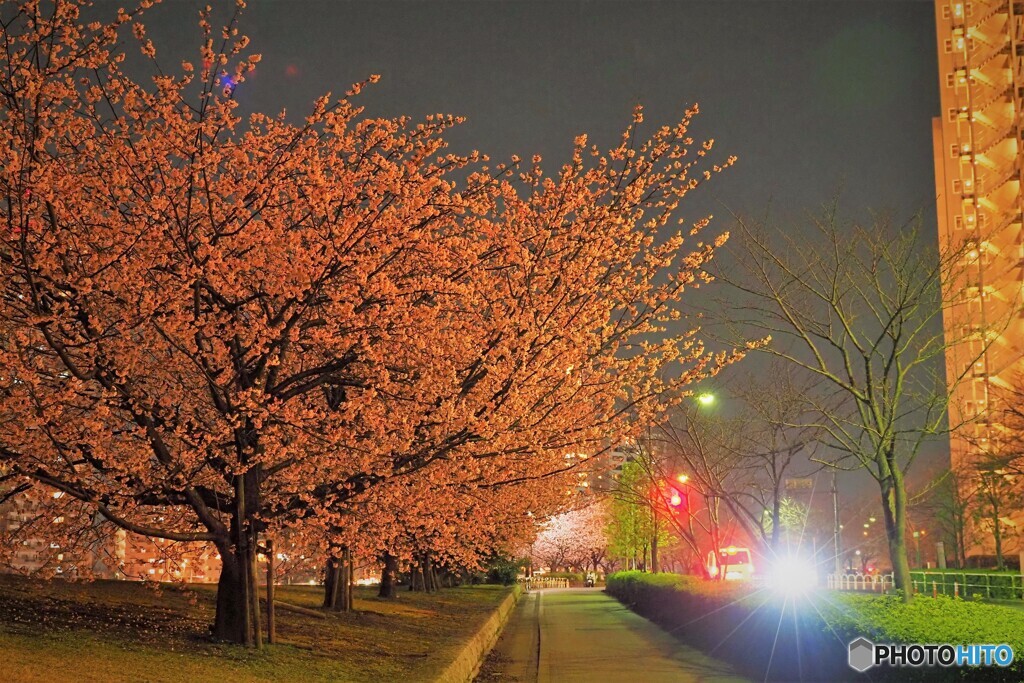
pixel 123 631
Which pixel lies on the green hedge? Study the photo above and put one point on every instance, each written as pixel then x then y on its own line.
pixel 886 618
pixel 770 638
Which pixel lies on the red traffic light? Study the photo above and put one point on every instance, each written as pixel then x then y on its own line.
pixel 677 499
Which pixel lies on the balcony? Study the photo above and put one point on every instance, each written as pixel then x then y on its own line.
pixel 1003 94
pixel 993 182
pixel 984 144
pixel 985 53
pixel 990 11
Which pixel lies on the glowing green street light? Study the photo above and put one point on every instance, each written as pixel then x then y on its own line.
pixel 706 399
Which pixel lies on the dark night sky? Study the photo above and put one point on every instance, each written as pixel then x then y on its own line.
pixel 811 96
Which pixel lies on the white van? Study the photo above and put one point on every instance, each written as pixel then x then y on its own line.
pixel 730 564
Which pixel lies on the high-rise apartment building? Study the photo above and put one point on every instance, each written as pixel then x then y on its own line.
pixel 32 531
pixel 977 146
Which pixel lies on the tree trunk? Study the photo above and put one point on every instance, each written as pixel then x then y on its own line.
pixel 237 589
pixel 231 621
pixel 254 593
pixel 387 576
pixel 655 566
pixel 428 574
pixel 332 581
pixel 271 622
pixel 997 530
pixel 776 526
pixel 346 586
pixel 894 510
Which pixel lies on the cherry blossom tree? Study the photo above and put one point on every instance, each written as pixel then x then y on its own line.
pixel 571 540
pixel 220 330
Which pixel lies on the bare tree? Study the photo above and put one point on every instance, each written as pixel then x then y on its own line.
pixel 945 500
pixel 859 308
pixel 773 442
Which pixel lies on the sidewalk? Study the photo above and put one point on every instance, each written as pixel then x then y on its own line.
pixel 568 635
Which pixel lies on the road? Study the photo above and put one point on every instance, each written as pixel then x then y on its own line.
pixel 580 634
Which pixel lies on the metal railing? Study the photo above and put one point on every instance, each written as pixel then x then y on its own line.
pixel 537 582
pixel 875 583
pixel 990 586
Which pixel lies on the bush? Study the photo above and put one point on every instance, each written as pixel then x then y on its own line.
pixel 503 571
pixel 772 638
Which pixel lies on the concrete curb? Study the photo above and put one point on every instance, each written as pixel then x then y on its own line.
pixel 467 663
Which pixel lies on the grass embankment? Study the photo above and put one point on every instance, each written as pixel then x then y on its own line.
pixel 122 631
pixel 770 637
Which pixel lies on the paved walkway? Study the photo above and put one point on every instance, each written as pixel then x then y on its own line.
pixel 578 634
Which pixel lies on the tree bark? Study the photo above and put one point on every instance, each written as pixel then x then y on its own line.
pixel 332 579
pixel 271 621
pixel 428 574
pixel 387 576
pixel 894 512
pixel 346 586
pixel 349 604
pixel 237 589
pixel 997 531
pixel 230 623
pixel 254 593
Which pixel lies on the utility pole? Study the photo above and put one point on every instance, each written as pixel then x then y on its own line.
pixel 835 530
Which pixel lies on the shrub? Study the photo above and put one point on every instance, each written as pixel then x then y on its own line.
pixel 772 638
pixel 503 571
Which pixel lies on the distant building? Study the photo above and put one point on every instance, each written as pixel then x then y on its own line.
pixel 35 529
pixel 977 149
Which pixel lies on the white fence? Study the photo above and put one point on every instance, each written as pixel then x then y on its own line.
pixel 876 583
pixel 953 584
pixel 535 582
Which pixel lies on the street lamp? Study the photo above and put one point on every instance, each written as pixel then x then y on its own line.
pixel 706 399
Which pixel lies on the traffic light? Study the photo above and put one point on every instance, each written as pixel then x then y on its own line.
pixel 677 498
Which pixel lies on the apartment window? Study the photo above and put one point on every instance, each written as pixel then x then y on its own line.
pixel 958 187
pixel 958 222
pixel 951 115
pixel 950 80
pixel 954 151
pixel 947 45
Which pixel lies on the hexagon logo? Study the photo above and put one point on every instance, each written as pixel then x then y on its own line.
pixel 862 654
